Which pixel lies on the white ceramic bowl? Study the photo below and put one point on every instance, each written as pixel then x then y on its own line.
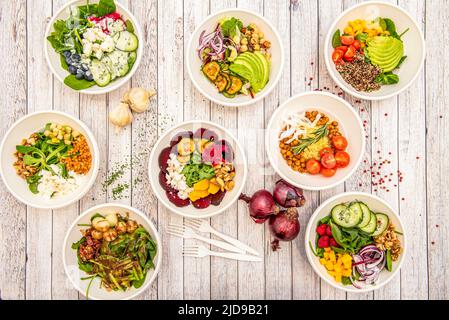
pixel 414 47
pixel 23 128
pixel 376 204
pixel 70 258
pixel 239 163
pixel 194 63
pixel 350 126
pixel 53 58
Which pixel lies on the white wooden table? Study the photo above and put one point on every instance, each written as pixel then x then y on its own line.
pixel 411 127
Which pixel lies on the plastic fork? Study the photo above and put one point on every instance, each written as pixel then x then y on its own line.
pixel 187 233
pixel 204 226
pixel 201 252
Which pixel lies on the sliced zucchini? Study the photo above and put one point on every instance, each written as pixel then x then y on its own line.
pixel 186 146
pixel 236 85
pixel 365 216
pixel 227 95
pixel 227 78
pixel 100 72
pixel 221 83
pixel 381 225
pixel 126 41
pixel 371 226
pixel 345 217
pixel 211 70
pixel 132 59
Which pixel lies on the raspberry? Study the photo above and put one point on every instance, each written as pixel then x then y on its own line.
pixel 323 242
pixel 329 230
pixel 333 243
pixel 321 229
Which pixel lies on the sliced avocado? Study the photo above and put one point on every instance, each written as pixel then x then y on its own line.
pixel 257 77
pixel 266 66
pixel 385 52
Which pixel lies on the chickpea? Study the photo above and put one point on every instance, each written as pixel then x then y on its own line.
pixel 253 41
pixel 255 36
pixel 267 44
pixel 244 40
pixel 243 48
pixel 261 35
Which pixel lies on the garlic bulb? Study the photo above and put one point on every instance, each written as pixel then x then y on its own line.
pixel 138 99
pixel 121 116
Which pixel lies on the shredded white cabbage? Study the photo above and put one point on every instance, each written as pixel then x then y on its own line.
pixel 297 124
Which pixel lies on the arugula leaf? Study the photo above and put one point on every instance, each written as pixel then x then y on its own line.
pixel 25 149
pixel 76 245
pixel 230 26
pixel 196 172
pixel 387 78
pixel 336 41
pixel 76 84
pixel 105 7
pixel 346 281
pixel 33 183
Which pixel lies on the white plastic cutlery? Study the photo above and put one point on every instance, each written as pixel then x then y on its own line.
pixel 204 226
pixel 188 233
pixel 201 251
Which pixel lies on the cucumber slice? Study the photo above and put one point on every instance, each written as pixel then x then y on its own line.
pixel 371 226
pixel 381 225
pixel 345 216
pixel 366 215
pixel 131 59
pixel 100 72
pixel 126 41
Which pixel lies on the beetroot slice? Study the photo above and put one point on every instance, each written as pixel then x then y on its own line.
pixel 177 137
pixel 203 133
pixel 202 203
pixel 163 158
pixel 163 181
pixel 172 195
pixel 217 197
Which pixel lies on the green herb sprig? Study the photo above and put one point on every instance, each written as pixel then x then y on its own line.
pixel 317 135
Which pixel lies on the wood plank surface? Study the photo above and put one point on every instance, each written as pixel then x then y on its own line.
pixel 407 130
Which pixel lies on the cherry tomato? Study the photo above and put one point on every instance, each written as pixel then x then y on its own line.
pixel 339 142
pixel 328 161
pixel 342 49
pixel 342 158
pixel 313 166
pixel 347 40
pixel 326 150
pixel 337 56
pixel 357 44
pixel 349 55
pixel 328 172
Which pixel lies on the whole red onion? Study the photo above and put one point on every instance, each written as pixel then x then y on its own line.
pixel 261 205
pixel 284 226
pixel 288 196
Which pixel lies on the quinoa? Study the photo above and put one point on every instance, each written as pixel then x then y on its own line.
pixel 360 74
pixel 79 158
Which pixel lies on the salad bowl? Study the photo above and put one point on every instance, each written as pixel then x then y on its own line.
pixel 196 187
pixel 101 71
pixel 336 109
pixel 246 21
pixel 391 21
pixel 376 205
pixel 70 259
pixel 18 186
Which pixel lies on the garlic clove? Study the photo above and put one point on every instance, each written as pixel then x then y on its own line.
pixel 121 116
pixel 138 99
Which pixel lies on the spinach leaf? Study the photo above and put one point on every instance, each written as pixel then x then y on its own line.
pixel 382 23
pixel 25 149
pixel 391 28
pixel 76 245
pixel 138 283
pixel 229 27
pixel 387 78
pixel 401 61
pixel 76 84
pixel 362 37
pixel 85 266
pixel 325 220
pixel 336 41
pixel 63 63
pixel 105 7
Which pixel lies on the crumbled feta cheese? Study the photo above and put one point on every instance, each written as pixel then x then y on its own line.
pixel 176 179
pixel 53 185
pixel 96 43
